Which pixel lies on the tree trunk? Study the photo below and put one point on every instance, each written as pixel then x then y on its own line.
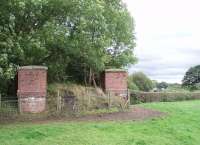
pixel 94 82
pixel 85 75
pixel 90 77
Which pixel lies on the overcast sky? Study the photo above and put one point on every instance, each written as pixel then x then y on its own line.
pixel 168 37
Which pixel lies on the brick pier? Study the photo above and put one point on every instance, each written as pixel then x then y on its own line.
pixel 32 89
pixel 115 81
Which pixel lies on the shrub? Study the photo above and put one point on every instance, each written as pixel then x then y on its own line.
pixel 132 85
pixel 141 81
pixel 162 85
pixel 145 97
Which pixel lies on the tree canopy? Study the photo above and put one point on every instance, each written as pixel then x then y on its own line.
pixel 142 82
pixel 191 79
pixel 75 39
pixel 162 85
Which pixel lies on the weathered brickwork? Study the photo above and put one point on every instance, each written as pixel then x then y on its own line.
pixel 115 81
pixel 32 104
pixel 32 89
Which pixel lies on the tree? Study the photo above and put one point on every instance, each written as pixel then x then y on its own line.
pixel 191 79
pixel 75 39
pixel 155 83
pixel 162 85
pixel 142 81
pixel 132 85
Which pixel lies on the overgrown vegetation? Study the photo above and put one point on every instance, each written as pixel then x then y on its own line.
pixel 139 81
pixel 146 97
pixel 67 101
pixel 75 39
pixel 77 99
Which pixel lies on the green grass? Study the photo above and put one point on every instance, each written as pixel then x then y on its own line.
pixel 180 127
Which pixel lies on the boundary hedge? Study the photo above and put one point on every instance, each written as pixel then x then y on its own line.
pixel 146 97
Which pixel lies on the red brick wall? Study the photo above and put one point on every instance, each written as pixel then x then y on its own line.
pixel 32 86
pixel 115 81
pixel 32 104
pixel 32 82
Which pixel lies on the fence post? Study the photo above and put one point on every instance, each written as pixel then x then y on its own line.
pixel 19 105
pixel 109 97
pixel 89 99
pixel 129 97
pixel 58 101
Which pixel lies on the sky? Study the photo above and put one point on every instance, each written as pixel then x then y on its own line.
pixel 167 37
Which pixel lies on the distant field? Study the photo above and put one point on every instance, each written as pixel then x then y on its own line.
pixel 180 127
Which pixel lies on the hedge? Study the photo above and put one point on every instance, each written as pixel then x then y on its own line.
pixel 146 97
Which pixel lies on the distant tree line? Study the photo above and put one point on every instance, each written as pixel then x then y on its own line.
pixel 138 81
pixel 76 39
pixel 190 82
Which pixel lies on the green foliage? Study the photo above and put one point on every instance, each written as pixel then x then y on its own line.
pixel 191 79
pixel 131 84
pixel 162 85
pixel 75 39
pixel 177 88
pixel 141 81
pixel 155 83
pixel 146 97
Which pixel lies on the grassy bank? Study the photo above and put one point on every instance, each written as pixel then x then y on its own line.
pixel 180 127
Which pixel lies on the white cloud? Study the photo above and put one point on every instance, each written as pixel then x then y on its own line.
pixel 167 33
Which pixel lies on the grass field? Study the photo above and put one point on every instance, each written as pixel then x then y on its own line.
pixel 180 127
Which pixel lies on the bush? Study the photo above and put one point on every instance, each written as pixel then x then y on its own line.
pixel 146 97
pixel 142 82
pixel 162 85
pixel 132 85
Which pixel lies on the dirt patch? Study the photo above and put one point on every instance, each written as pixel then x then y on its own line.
pixel 134 114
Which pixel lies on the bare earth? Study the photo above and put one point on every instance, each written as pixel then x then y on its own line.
pixel 135 114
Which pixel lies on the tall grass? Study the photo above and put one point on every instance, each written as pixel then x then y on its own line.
pixel 83 99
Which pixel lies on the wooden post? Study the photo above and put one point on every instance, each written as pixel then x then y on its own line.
pixel 19 105
pixel 59 102
pixel 129 99
pixel 109 97
pixel 89 99
pixel 83 102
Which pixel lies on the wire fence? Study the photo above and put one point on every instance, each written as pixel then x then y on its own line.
pixel 67 103
pixel 8 107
